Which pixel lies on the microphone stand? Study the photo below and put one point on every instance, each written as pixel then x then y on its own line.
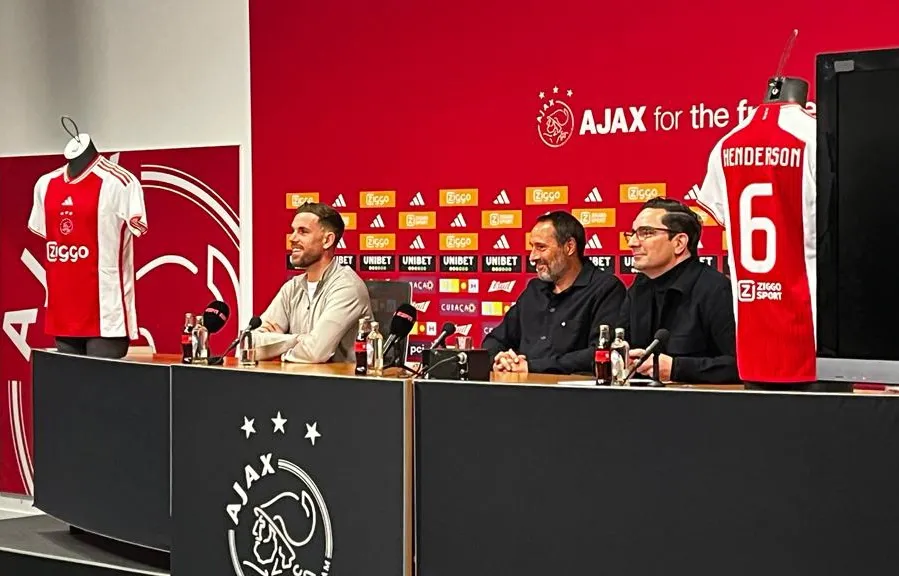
pixel 656 381
pixel 395 363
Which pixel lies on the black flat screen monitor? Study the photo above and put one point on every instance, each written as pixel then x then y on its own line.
pixel 858 215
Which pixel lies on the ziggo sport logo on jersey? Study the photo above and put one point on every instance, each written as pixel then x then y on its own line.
pixel 63 253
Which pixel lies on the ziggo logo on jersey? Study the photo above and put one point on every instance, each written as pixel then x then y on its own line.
pixel 63 253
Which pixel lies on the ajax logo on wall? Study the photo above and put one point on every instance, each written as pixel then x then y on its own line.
pixel 555 120
pixel 279 521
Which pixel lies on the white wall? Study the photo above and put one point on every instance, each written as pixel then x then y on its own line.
pixel 132 73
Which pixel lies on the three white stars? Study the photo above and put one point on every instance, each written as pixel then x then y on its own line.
pixel 279 422
pixel 569 92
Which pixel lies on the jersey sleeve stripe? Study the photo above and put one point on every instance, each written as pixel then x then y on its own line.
pixel 710 213
pixel 113 167
pixel 136 223
pixel 122 282
pixel 114 175
pixel 114 170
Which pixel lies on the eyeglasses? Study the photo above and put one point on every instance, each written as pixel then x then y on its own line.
pixel 644 232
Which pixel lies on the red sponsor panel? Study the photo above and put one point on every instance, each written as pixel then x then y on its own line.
pixel 188 257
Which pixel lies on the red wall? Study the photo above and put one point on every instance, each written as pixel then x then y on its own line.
pixel 416 97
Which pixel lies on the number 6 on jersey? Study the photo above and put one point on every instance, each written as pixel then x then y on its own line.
pixel 750 224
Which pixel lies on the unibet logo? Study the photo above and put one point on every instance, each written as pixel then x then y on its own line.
pixel 377 242
pixel 459 241
pixel 297 199
pixel 641 192
pixel 459 197
pixel 501 218
pixel 62 253
pixel 547 195
pixel 377 199
pixel 596 217
pixel 416 220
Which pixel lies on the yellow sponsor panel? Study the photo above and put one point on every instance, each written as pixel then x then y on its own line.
pixel 724 240
pixel 546 195
pixel 377 242
pixel 297 199
pixel 459 241
pixel 349 220
pixel 492 309
pixel 641 192
pixel 501 218
pixel 418 220
pixel 595 217
pixel 622 242
pixel 706 218
pixel 288 242
pixel 450 285
pixel 377 199
pixel 459 197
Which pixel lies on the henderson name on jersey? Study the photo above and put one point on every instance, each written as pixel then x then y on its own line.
pixel 760 186
pixel 89 223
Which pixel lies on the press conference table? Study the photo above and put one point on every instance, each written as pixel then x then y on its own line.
pixel 553 478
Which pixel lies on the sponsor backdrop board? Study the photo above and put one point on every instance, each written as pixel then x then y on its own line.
pixel 188 258
pixel 287 474
pixel 442 131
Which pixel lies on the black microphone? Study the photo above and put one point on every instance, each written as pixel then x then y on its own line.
pixel 255 322
pixel 448 330
pixel 661 337
pixel 216 316
pixel 401 324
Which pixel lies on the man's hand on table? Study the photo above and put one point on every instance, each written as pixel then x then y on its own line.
pixel 646 368
pixel 509 361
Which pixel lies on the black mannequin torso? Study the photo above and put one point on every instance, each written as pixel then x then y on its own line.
pixel 84 157
pixel 787 89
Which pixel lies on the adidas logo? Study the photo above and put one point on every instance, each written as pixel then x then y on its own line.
pixel 341 244
pixel 417 200
pixel 68 201
pixel 502 243
pixel 593 196
pixel 421 306
pixel 418 243
pixel 339 202
pixel 497 286
pixel 594 243
pixel 378 222
pixel 693 193
pixel 502 198
pixel 463 329
pixel 700 244
pixel 458 222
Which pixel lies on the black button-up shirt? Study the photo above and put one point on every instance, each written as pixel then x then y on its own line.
pixel 693 301
pixel 558 332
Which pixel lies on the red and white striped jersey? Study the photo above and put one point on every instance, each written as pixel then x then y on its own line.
pixel 760 186
pixel 89 223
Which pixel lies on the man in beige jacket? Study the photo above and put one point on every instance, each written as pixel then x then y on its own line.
pixel 322 306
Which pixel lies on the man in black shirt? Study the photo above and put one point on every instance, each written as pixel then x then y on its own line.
pixel 554 325
pixel 676 291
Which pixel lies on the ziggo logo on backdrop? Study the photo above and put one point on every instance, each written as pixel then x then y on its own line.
pixel 556 122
